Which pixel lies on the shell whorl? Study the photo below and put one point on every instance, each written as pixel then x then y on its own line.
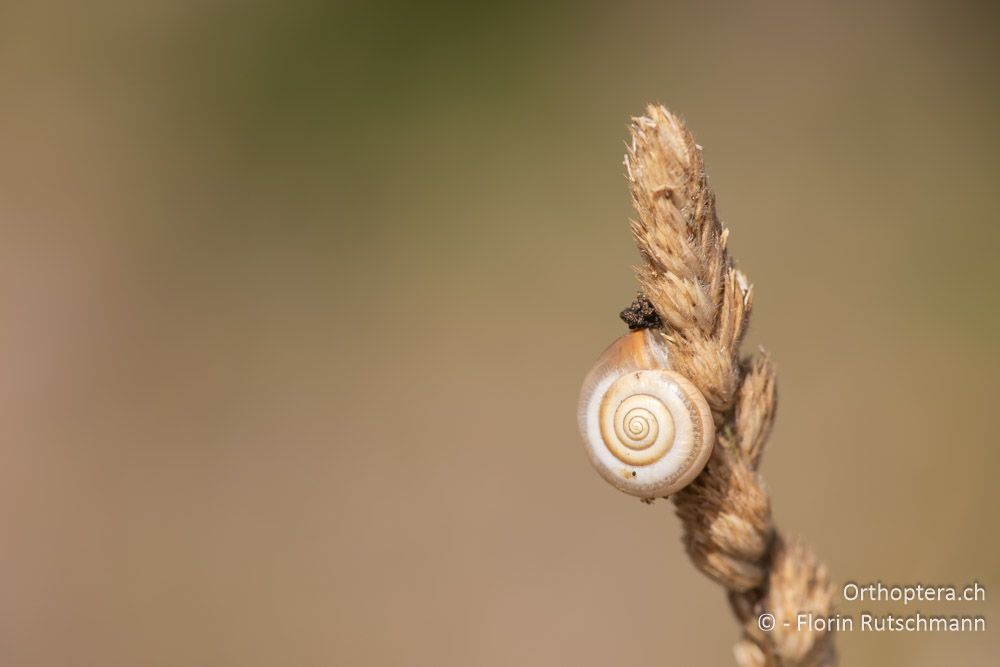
pixel 647 429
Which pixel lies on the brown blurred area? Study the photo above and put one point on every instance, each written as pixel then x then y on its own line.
pixel 296 299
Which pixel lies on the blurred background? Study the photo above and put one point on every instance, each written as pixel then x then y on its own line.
pixel 296 298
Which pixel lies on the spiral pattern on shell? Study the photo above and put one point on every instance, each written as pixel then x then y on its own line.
pixel 647 429
pixel 637 428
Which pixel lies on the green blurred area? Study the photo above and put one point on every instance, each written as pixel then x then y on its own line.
pixel 298 296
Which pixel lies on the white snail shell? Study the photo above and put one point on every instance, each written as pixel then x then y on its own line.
pixel 647 429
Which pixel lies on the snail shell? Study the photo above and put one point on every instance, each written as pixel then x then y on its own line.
pixel 647 429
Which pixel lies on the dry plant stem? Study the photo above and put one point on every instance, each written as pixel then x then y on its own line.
pixel 704 305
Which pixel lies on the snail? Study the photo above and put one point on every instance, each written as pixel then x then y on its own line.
pixel 647 429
